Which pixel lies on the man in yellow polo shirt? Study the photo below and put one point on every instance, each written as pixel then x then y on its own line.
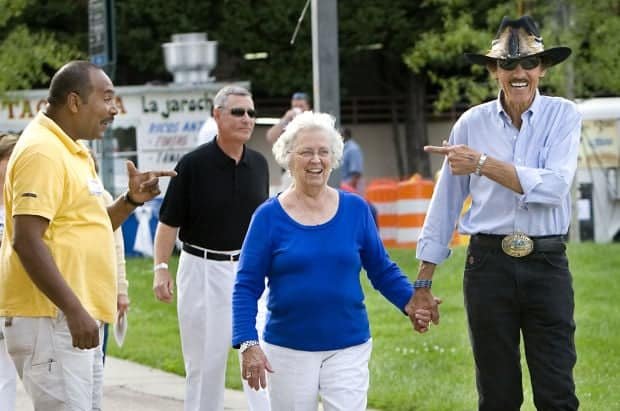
pixel 57 272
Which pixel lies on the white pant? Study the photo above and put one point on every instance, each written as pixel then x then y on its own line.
pixel 8 376
pixel 339 377
pixel 56 375
pixel 204 306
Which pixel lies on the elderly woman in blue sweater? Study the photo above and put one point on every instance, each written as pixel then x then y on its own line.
pixel 311 242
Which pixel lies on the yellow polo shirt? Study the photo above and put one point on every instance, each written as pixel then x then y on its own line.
pixel 52 176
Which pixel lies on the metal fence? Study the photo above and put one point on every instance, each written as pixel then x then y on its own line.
pixel 366 109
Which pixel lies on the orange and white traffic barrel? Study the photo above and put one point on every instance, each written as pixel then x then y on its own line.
pixel 383 194
pixel 414 197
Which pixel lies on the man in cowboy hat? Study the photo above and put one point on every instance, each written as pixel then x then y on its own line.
pixel 516 156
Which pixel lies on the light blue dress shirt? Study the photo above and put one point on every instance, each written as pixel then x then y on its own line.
pixel 544 152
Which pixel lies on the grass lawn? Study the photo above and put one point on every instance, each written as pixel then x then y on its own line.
pixel 434 371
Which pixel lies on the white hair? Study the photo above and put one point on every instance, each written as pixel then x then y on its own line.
pixel 308 120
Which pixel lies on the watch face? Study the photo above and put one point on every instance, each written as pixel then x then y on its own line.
pixel 244 346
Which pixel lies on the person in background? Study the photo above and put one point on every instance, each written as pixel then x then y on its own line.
pixel 310 243
pixel 122 285
pixel 209 205
pixel 517 157
pixel 352 162
pixel 300 102
pixel 353 170
pixel 8 376
pixel 208 130
pixel 57 273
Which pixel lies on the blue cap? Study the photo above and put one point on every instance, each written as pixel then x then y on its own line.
pixel 300 95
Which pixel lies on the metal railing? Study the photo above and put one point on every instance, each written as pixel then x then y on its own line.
pixel 366 109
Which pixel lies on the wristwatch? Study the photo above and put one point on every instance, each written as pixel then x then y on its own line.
pixel 247 344
pixel 481 161
pixel 160 266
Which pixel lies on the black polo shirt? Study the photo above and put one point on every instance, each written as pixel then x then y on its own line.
pixel 212 198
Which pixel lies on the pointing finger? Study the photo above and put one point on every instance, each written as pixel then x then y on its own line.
pixel 436 149
pixel 164 173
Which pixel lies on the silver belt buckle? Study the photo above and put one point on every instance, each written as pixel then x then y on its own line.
pixel 517 245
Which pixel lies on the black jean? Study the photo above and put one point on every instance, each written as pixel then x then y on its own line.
pixel 532 295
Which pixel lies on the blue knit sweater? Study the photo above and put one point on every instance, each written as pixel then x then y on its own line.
pixel 316 302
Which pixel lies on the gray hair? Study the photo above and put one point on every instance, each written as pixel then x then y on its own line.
pixel 220 98
pixel 308 120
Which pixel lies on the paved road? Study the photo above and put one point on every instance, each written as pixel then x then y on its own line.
pixel 129 386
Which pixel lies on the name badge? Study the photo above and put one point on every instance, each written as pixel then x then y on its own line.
pixel 95 188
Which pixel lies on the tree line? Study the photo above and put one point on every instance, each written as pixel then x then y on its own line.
pixel 390 48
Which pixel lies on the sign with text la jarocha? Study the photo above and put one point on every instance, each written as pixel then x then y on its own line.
pixel 156 124
pixel 169 126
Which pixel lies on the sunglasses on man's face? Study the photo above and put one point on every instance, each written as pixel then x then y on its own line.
pixel 240 112
pixel 528 63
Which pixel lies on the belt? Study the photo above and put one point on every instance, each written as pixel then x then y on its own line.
pixel 209 255
pixel 543 244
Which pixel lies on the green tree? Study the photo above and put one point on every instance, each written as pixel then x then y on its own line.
pixel 412 48
pixel 594 34
pixel 30 49
pixel 591 29
pixel 142 26
pixel 370 34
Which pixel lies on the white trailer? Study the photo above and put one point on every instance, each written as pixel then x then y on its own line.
pixel 598 174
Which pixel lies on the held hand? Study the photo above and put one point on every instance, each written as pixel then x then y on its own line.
pixel 420 319
pixel 83 328
pixel 144 186
pixel 461 158
pixel 163 286
pixel 122 303
pixel 423 308
pixel 254 363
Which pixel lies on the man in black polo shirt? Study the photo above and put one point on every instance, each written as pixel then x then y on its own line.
pixel 209 205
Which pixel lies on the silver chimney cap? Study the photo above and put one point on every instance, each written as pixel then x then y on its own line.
pixel 189 57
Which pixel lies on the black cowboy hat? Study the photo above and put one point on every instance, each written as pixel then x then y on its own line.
pixel 516 39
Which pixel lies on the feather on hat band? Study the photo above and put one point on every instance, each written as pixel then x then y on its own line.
pixel 517 39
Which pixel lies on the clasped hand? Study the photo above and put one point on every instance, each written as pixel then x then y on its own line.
pixel 422 309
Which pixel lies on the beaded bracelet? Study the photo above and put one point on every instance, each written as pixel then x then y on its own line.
pixel 131 200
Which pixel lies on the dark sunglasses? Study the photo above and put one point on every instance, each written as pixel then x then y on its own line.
pixel 240 112
pixel 528 63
